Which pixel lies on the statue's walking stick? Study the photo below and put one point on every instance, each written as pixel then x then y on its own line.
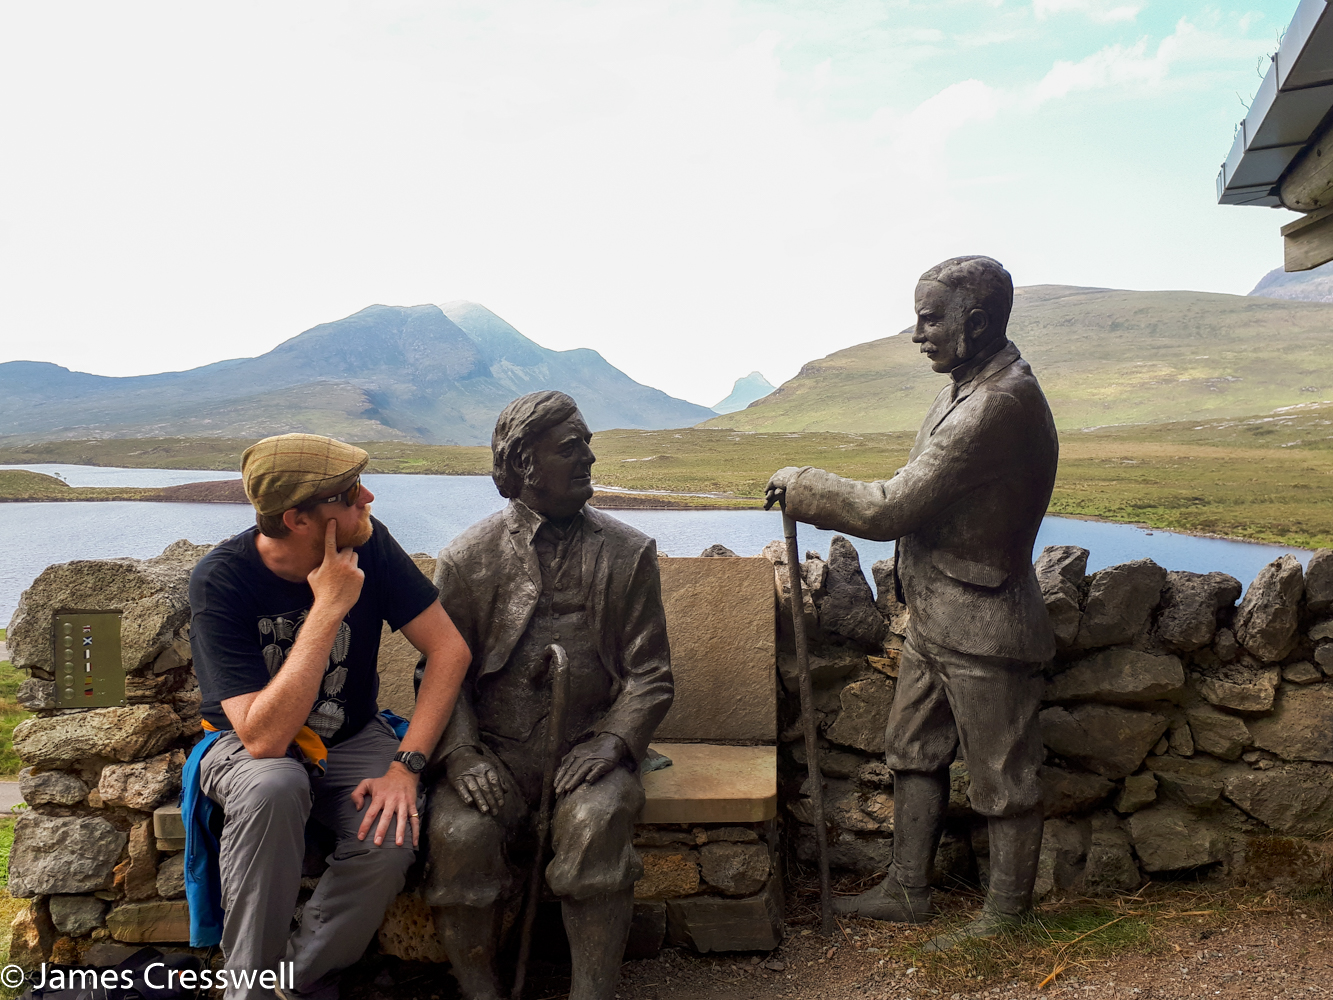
pixel 557 664
pixel 808 716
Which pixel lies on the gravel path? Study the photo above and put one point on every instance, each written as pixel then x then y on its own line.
pixel 1267 949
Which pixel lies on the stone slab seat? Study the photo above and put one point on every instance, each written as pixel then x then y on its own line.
pixel 709 783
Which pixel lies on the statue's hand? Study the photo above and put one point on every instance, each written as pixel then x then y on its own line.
pixel 475 780
pixel 589 761
pixel 778 483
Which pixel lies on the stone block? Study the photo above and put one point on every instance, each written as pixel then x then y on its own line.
pixel 37 695
pixel 712 784
pixel 1323 657
pixel 716 550
pixel 1104 739
pixel 114 733
pixel 32 935
pixel 1267 617
pixel 150 593
pixel 1119 676
pixel 1242 686
pixel 1064 846
pixel 171 877
pixel 735 869
pixel 864 715
pixel 775 552
pixel 648 836
pixel 712 923
pixel 862 854
pixel 732 835
pixel 1225 645
pixel 166 921
pixel 1218 733
pixel 1065 792
pixel 826 667
pixel 1110 867
pixel 1060 573
pixel 1120 600
pixel 142 784
pixel 1140 791
pixel 51 788
pixel 1180 739
pixel 168 823
pixel 1290 798
pixel 136 876
pixel 408 931
pixel 1170 838
pixel 62 854
pixel 1195 791
pixel 398 658
pixel 1302 672
pixel 723 646
pixel 1187 619
pixel 76 916
pixel 849 606
pixel 1319 581
pixel 668 873
pixel 1301 725
pixel 648 924
pixel 886 597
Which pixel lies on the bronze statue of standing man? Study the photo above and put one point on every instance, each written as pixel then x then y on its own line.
pixel 546 569
pixel 965 512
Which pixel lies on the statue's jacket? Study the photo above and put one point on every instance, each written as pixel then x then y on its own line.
pixel 965 512
pixel 490 583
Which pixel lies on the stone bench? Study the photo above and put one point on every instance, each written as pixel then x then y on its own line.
pixel 707 833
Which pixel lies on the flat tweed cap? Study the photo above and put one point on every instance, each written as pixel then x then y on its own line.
pixel 287 470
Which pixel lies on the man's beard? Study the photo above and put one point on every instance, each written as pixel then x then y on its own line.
pixel 359 535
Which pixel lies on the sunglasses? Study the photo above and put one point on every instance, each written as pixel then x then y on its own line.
pixel 347 497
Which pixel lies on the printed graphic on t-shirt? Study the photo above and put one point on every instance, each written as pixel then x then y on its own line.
pixel 277 635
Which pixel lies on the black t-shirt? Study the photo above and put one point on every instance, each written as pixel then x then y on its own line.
pixel 245 619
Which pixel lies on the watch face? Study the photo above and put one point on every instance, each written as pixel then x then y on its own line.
pixel 415 761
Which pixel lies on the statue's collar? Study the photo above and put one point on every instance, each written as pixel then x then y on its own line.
pixel 989 360
pixel 525 521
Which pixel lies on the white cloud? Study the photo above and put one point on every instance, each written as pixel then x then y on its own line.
pixel 1101 11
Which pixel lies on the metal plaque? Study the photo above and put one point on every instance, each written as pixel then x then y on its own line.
pixel 86 660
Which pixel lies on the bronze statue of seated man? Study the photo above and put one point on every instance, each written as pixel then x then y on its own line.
pixel 546 569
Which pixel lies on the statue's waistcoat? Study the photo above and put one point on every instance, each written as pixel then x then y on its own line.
pixel 513 702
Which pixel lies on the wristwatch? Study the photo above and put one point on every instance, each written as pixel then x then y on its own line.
pixel 413 760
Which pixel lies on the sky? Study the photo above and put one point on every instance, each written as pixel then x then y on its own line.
pixel 694 189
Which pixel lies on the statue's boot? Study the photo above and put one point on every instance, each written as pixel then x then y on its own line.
pixel 919 801
pixel 1015 849
pixel 471 935
pixel 598 929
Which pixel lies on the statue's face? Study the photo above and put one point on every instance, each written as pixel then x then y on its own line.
pixel 948 334
pixel 559 481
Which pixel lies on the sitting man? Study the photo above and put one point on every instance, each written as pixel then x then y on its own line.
pixel 286 633
pixel 546 569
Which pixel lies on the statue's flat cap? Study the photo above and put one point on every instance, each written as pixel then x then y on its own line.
pixel 287 470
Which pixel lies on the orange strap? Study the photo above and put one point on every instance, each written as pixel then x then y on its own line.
pixel 307 740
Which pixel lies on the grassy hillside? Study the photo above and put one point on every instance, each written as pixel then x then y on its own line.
pixel 1266 478
pixel 1103 357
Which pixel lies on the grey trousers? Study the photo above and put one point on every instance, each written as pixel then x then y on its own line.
pixel 267 803
pixel 989 704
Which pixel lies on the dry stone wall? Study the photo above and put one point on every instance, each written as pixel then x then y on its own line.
pixel 85 851
pixel 1188 722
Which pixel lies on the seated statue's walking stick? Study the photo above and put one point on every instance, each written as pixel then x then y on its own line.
pixel 808 717
pixel 557 665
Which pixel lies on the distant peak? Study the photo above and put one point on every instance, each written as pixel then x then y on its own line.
pixel 744 392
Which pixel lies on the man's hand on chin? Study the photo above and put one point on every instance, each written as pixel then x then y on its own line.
pixel 394 795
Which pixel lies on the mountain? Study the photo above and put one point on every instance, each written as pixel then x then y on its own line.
pixel 744 392
pixel 1104 356
pixel 1315 285
pixel 384 373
